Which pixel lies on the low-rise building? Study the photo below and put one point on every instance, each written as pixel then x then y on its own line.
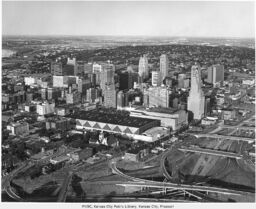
pixel 136 154
pixel 58 123
pixel 229 114
pixel 174 119
pixel 209 121
pixel 45 108
pixel 113 123
pixel 18 128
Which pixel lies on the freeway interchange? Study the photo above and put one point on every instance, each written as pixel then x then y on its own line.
pixel 193 190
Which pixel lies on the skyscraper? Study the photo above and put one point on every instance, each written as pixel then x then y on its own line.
pixel 107 75
pixel 92 94
pixel 96 69
pixel 83 85
pixel 125 80
pixel 143 67
pixel 120 100
pixel 196 97
pixel 110 96
pixel 164 65
pixel 156 78
pixel 157 97
pixel 215 74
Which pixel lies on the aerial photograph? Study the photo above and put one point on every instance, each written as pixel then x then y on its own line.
pixel 128 101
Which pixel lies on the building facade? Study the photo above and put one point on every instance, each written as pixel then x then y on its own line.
pixel 18 128
pixel 156 78
pixel 215 74
pixel 110 96
pixel 196 98
pixel 164 66
pixel 157 97
pixel 143 67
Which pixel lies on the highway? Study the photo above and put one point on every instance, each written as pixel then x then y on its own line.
pixel 6 183
pixel 216 136
pixel 64 188
pixel 212 152
pixel 239 127
pixel 166 185
pixel 196 194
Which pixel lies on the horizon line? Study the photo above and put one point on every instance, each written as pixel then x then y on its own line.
pixel 148 36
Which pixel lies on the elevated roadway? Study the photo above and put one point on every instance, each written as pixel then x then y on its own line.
pixel 166 185
pixel 239 127
pixel 212 152
pixel 216 136
pixel 6 183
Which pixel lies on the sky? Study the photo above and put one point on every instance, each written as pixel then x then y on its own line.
pixel 129 18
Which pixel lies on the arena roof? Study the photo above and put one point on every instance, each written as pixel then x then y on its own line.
pixel 116 119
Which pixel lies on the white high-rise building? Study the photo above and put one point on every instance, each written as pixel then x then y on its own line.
pixel 143 67
pixel 156 78
pixel 196 97
pixel 164 66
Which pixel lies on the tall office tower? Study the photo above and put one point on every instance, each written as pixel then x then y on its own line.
pixel 125 80
pixel 156 78
pixel 56 68
pixel 120 100
pixel 92 78
pixel 158 97
pixel 181 78
pixel 92 94
pixel 110 96
pixel 196 99
pixel 143 67
pixel 83 85
pixel 164 66
pixel 96 69
pixel 215 74
pixel 107 76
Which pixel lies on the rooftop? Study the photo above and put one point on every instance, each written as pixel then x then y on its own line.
pixel 118 119
pixel 159 110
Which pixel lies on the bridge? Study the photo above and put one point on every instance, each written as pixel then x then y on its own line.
pixel 212 152
pixel 216 136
